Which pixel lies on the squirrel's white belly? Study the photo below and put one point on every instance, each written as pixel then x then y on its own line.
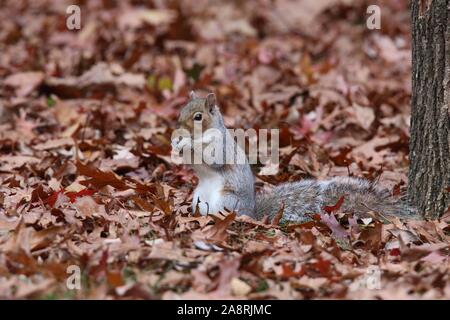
pixel 208 194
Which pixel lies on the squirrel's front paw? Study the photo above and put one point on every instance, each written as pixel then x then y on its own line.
pixel 181 143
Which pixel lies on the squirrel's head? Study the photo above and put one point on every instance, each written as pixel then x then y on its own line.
pixel 200 114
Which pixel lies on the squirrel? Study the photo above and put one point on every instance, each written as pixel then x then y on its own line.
pixel 230 186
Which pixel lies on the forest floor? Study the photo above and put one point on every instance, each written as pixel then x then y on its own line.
pixel 88 188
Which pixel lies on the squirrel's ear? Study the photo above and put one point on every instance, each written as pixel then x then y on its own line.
pixel 192 95
pixel 211 101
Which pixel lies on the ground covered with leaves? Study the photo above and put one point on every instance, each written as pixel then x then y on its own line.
pixel 85 172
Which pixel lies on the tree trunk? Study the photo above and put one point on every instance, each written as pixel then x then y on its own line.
pixel 429 173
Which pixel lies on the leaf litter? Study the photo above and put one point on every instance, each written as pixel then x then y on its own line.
pixel 85 173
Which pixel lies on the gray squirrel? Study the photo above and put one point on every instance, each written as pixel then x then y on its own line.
pixel 230 186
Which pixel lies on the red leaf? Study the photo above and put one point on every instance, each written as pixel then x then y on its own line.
pixel 336 207
pixel 276 219
pixel 396 191
pixel 323 266
pixel 51 200
pixel 289 272
pixel 74 195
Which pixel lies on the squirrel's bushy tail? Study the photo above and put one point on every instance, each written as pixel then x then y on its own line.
pixel 302 198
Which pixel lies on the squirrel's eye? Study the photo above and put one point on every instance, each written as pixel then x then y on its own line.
pixel 198 116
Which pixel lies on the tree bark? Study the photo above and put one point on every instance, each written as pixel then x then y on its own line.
pixel 429 173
